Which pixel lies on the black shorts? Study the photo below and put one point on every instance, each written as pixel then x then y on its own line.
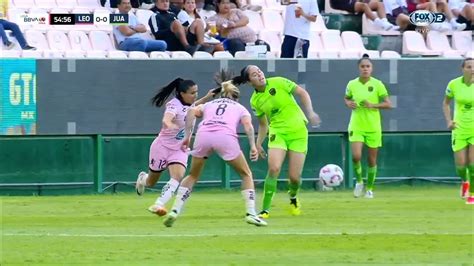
pixel 346 5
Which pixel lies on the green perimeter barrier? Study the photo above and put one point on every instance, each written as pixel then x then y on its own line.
pixel 85 164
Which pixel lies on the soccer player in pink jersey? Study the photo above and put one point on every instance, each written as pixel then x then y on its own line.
pixel 165 151
pixel 218 133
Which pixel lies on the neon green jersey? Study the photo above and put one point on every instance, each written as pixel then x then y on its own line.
pixel 463 96
pixel 279 106
pixel 362 118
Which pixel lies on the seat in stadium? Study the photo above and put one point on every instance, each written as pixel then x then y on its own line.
pixel 326 54
pixel 255 20
pixel 10 53
pixel 272 20
pixel 462 41
pixel 353 42
pixel 273 39
pixel 180 55
pixel 137 55
pixel 74 54
pixel 58 40
pixel 117 54
pixel 69 4
pixel 89 4
pixel 32 54
pixel 159 55
pixel 36 39
pixel 101 41
pixel 390 54
pixel 143 15
pixel 318 26
pixel 53 54
pixel 438 41
pixel 223 55
pixel 24 3
pixel 79 41
pixel 96 54
pixel 46 4
pixel 202 55
pixel 414 44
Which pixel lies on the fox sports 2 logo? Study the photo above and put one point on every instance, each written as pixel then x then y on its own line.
pixel 423 18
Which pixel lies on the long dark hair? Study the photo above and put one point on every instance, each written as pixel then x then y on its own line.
pixel 178 85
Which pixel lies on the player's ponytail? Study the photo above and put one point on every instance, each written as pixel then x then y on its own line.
pixel 243 78
pixel 364 57
pixel 178 85
pixel 229 90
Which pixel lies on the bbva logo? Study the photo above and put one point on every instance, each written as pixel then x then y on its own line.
pixel 424 18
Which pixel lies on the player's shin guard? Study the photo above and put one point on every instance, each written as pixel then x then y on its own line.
pixel 249 197
pixel 181 198
pixel 269 190
pixel 462 173
pixel 371 174
pixel 167 192
pixel 471 179
pixel 293 188
pixel 358 172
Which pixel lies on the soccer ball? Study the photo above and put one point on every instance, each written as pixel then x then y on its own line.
pixel 331 175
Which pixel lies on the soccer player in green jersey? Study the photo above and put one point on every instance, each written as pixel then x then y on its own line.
pixel 281 117
pixel 461 90
pixel 365 95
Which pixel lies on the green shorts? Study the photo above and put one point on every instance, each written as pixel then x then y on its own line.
pixel 461 141
pixel 371 139
pixel 296 141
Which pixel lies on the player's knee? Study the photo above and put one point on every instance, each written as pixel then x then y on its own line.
pixel 274 170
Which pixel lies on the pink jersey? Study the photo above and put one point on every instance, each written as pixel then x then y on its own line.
pixel 172 138
pixel 222 115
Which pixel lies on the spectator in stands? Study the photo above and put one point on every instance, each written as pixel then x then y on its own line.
pixel 164 25
pixel 397 13
pixel 459 90
pixel 232 25
pixel 297 28
pixel 463 10
pixel 366 7
pixel 129 36
pixel 7 25
pixel 440 6
pixel 195 25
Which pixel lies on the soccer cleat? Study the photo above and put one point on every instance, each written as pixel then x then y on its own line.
pixel 264 214
pixel 464 189
pixel 158 210
pixel 470 200
pixel 359 189
pixel 140 184
pixel 170 219
pixel 295 207
pixel 369 194
pixel 252 219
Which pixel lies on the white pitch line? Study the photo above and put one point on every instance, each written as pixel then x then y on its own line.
pixel 230 234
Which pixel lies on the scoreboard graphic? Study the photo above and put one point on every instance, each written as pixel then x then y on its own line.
pixel 98 18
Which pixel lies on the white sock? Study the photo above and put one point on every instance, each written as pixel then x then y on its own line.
pixel 249 197
pixel 144 180
pixel 181 197
pixel 167 192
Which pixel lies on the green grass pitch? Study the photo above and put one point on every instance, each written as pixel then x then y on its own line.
pixel 401 225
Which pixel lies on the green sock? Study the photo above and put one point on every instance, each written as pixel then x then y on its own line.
pixel 358 172
pixel 371 173
pixel 293 188
pixel 269 189
pixel 462 172
pixel 471 177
